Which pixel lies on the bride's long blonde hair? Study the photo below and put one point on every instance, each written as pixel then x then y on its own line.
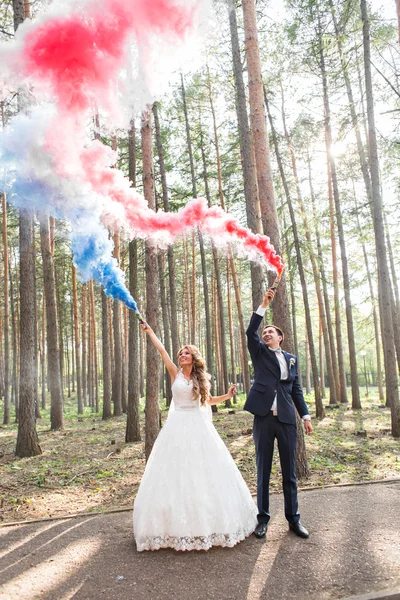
pixel 199 375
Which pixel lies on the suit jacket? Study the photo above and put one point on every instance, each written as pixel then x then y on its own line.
pixel 267 380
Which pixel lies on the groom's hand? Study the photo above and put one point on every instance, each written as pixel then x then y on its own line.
pixel 268 297
pixel 307 426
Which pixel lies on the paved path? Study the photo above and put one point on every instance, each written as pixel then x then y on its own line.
pixel 353 549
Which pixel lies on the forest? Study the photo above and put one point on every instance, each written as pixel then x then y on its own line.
pixel 288 121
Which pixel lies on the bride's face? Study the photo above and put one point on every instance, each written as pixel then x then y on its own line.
pixel 185 357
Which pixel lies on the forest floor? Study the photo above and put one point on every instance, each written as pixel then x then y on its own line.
pixel 88 467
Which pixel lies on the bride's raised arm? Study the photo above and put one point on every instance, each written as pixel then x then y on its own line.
pixel 217 399
pixel 158 345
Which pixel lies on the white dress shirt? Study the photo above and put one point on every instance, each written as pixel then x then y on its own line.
pixel 283 365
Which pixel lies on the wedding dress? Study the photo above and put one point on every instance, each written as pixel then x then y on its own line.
pixel 192 495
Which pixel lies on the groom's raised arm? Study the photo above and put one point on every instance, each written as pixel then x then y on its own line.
pixel 253 339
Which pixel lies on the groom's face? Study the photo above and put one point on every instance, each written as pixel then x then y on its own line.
pixel 271 338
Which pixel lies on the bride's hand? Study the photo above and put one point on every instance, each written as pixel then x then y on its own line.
pixel 146 327
pixel 232 391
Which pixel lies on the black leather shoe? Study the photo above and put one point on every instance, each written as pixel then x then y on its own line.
pixel 299 530
pixel 261 530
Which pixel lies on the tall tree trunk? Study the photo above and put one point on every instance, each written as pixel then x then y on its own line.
pixel 95 377
pixel 335 274
pixel 192 319
pixel 152 424
pixel 321 307
pixel 384 292
pixel 72 348
pixel 374 311
pixel 36 345
pixel 27 438
pixel 59 308
pixel 247 156
pixel 353 112
pixel 223 337
pixel 308 366
pixel 322 362
pixel 53 350
pixel 317 389
pixel 90 357
pixel 44 353
pixel 125 343
pixel 170 251
pixel 77 342
pixel 209 346
pixel 84 344
pixel 186 289
pixel 132 433
pixel 395 294
pixel 14 329
pixel 164 312
pixel 105 325
pixel 290 268
pixel 334 398
pixel 6 327
pixel 161 256
pixel 116 393
pixel 280 306
pixel 222 329
pixel 356 404
pixel 233 378
pixel 242 331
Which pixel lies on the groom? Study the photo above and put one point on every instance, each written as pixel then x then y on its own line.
pixel 272 399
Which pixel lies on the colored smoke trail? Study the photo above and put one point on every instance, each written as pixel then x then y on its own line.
pixel 77 60
pixel 129 209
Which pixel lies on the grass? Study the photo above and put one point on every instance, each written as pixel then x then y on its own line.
pixel 89 467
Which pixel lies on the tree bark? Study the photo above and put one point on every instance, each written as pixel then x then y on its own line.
pixel 53 350
pixel 95 378
pixel 384 291
pixel 280 306
pixel 233 378
pixel 209 346
pixel 335 274
pixel 317 282
pixel 84 344
pixel 170 251
pixel 14 329
pixel 374 311
pixel 317 389
pixel 242 331
pixel 132 433
pixel 77 342
pixel 322 278
pixel 356 404
pixel 247 156
pixel 116 393
pixel 105 323
pixel 152 424
pixel 6 325
pixel 27 438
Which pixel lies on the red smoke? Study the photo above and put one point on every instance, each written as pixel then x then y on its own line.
pixel 80 54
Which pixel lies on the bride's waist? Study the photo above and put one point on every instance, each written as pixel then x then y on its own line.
pixel 186 407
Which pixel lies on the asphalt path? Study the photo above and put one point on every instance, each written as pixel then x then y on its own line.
pixel 353 551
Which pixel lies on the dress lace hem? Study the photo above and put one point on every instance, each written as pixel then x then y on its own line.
pixel 227 540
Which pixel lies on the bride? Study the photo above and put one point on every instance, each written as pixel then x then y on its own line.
pixel 192 495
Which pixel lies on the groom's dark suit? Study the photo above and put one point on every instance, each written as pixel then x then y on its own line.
pixel 268 384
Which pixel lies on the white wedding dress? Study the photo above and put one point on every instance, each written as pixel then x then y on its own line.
pixel 192 495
